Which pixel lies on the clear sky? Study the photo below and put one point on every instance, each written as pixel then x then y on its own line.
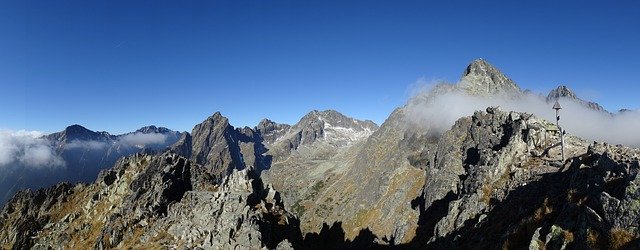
pixel 120 65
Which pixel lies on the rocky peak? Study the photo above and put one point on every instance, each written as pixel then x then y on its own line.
pixel 559 92
pixel 217 118
pixel 77 132
pixel 563 91
pixel 332 118
pixel 154 129
pixel 330 126
pixel 271 131
pixel 482 78
pixel 210 145
pixel 221 148
pixel 622 111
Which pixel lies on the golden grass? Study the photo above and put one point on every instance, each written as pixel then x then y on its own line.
pixel 619 238
pixel 487 191
pixel 568 236
pixel 593 239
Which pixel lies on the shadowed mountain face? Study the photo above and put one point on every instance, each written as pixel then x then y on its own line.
pixel 491 179
pixel 221 148
pixel 83 154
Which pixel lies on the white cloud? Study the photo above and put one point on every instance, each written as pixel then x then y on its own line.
pixel 140 138
pixel 129 140
pixel 28 149
pixel 437 113
pixel 90 144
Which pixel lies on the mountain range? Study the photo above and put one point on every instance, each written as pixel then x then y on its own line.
pixel 493 178
pixel 83 153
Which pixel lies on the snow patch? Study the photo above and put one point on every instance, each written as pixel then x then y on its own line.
pixel 342 135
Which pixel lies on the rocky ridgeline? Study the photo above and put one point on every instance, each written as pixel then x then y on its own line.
pixel 148 201
pixel 493 180
pixel 83 153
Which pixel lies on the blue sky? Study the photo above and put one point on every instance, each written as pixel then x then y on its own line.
pixel 120 65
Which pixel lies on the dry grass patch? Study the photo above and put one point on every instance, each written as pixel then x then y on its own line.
pixel 594 239
pixel 619 238
pixel 568 236
pixel 487 191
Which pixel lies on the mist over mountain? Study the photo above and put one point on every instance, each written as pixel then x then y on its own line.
pixel 438 105
pixel 30 159
pixel 475 164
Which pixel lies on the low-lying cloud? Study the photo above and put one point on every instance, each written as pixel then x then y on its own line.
pixel 139 138
pixel 28 149
pixel 438 112
pixel 29 160
pixel 87 144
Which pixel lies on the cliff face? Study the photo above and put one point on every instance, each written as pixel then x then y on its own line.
pixel 496 179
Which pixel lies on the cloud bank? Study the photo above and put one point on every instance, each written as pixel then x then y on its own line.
pixel 28 149
pixel 137 139
pixel 438 112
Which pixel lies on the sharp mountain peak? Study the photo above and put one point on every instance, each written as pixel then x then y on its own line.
pixel 154 129
pixel 482 78
pixel 561 91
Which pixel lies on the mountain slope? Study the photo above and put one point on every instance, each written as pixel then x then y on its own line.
pixel 146 201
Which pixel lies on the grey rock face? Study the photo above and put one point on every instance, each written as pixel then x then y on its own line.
pixel 182 146
pixel 329 127
pixel 482 78
pixel 26 214
pixel 493 181
pixel 221 148
pixel 475 159
pixel 150 201
pixel 270 131
pixel 213 145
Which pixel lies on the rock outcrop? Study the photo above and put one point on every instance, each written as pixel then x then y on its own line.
pixel 496 179
pixel 150 201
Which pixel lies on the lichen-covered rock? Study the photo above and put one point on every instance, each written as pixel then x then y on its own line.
pixel 492 180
